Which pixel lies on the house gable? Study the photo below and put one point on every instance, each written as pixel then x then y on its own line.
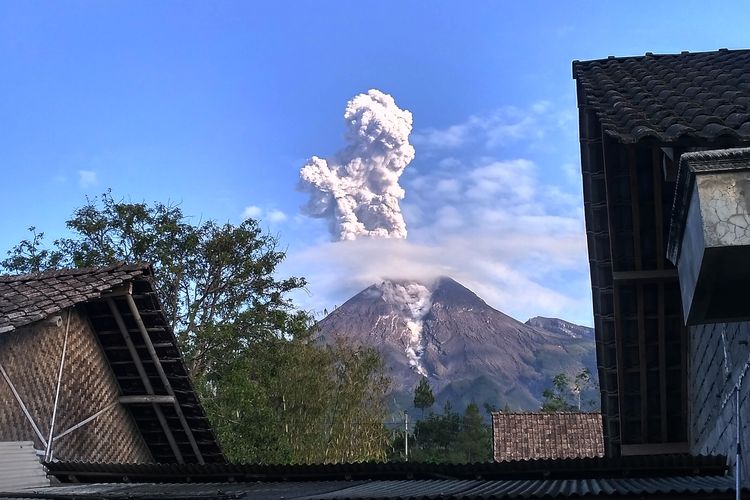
pixel 31 358
pixel 130 361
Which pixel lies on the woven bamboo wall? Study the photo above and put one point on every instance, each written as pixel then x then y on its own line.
pixel 31 357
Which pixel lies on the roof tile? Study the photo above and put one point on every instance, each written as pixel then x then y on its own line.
pixel 30 297
pixel 697 88
pixel 526 436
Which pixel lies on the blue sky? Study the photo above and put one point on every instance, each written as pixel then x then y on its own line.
pixel 217 105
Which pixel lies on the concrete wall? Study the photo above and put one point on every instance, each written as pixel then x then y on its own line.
pixel 719 356
pixel 31 359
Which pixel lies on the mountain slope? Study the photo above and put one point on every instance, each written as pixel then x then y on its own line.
pixel 467 350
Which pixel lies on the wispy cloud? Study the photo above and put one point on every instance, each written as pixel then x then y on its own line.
pixel 496 128
pixel 275 215
pixel 510 272
pixel 271 215
pixel 87 178
pixel 252 212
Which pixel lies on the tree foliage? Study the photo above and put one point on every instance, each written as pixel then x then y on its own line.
pixel 271 393
pixel 423 397
pixel 452 438
pixel 567 394
pixel 215 281
pixel 294 402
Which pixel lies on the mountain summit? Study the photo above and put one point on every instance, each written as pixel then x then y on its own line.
pixel 467 350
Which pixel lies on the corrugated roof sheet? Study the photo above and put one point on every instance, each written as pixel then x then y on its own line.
pixel 20 467
pixel 28 298
pixel 602 467
pixel 702 95
pixel 619 487
pixel 524 436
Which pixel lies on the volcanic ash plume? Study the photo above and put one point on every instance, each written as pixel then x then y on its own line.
pixel 357 189
pixel 414 300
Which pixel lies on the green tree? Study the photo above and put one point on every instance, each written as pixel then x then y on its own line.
pixel 296 402
pixel 449 437
pixel 556 398
pixel 566 394
pixel 475 438
pixel 215 281
pixel 271 393
pixel 423 397
pixel 30 257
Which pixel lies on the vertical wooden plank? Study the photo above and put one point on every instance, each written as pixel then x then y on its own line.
pixel 611 158
pixel 662 365
pixel 656 164
pixel 618 354
pixel 658 208
pixel 642 363
pixel 634 206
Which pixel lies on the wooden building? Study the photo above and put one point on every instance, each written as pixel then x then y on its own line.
pixel 90 370
pixel 637 117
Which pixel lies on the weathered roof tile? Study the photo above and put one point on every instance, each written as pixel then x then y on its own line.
pixel 529 436
pixel 631 94
pixel 30 297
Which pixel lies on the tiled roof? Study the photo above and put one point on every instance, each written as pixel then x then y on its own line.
pixel 525 436
pixel 28 298
pixel 703 95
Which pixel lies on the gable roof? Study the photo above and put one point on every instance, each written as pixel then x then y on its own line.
pixel 27 298
pixel 702 95
pixel 530 436
pixel 121 299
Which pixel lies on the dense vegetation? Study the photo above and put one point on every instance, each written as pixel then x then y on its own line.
pixel 272 395
pixel 445 437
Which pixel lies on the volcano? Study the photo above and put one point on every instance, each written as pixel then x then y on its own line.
pixel 469 351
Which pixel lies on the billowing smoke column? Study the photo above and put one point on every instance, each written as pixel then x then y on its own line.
pixel 357 189
pixel 414 301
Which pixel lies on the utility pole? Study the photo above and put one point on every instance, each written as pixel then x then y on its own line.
pixel 406 435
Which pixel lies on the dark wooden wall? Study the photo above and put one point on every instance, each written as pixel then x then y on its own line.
pixel 641 340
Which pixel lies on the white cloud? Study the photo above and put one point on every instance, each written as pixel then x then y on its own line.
pixel 498 128
pixel 448 217
pixel 275 215
pixel 506 270
pixel 541 106
pixel 448 186
pixel 271 215
pixel 86 178
pixel 252 212
pixel 510 180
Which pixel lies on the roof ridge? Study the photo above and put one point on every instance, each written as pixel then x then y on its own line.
pixel 546 412
pixel 77 271
pixel 685 53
